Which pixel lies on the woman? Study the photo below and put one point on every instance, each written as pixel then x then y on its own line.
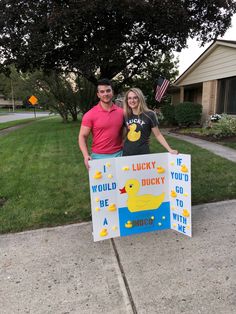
pixel 140 122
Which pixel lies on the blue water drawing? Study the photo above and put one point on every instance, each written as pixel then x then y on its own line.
pixel 144 221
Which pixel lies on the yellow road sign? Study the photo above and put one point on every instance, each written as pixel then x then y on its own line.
pixel 33 100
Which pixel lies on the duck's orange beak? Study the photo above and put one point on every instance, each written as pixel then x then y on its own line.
pixel 123 190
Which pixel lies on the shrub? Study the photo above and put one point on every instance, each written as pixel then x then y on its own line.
pixel 225 127
pixel 168 112
pixel 188 113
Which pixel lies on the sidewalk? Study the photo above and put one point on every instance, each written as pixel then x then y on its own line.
pixel 61 270
pixel 217 149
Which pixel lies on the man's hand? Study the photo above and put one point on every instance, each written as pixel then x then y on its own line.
pixel 86 160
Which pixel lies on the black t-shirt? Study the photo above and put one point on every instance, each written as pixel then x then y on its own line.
pixel 139 130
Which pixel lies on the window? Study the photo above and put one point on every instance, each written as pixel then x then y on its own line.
pixel 227 96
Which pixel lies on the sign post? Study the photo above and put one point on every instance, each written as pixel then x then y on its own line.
pixel 33 101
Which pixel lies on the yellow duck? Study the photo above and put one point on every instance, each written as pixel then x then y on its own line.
pixel 160 169
pixel 133 136
pixel 173 193
pixel 136 203
pixel 98 175
pixel 103 232
pixel 185 213
pixel 125 168
pixel 112 207
pixel 184 168
pixel 128 224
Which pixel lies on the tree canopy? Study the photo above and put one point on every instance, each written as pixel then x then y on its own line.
pixel 104 37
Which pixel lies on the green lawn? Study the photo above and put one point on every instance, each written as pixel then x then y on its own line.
pixel 228 144
pixel 43 180
pixel 5 125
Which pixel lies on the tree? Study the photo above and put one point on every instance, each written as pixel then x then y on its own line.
pixel 64 94
pixel 104 37
pixel 15 85
pixel 165 66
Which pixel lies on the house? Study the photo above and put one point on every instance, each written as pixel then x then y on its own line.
pixel 210 80
pixel 7 103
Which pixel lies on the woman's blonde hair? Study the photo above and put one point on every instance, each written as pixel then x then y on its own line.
pixel 142 107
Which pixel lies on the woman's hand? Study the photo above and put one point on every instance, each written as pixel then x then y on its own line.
pixel 173 151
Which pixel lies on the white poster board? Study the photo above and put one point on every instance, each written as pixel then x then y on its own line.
pixel 143 193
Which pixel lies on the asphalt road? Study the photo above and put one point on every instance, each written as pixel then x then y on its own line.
pixel 6 117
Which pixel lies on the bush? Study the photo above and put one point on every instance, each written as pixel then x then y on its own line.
pixel 168 112
pixel 225 127
pixel 188 113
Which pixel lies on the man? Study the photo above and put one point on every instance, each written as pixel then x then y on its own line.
pixel 105 122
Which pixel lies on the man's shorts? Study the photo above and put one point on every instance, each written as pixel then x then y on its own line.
pixel 104 156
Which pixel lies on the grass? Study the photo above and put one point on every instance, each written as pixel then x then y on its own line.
pixel 44 182
pixel 213 177
pixel 228 144
pixel 9 124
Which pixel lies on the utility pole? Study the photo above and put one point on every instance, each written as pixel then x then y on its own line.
pixel 12 97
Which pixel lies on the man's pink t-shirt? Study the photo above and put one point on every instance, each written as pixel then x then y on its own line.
pixel 106 128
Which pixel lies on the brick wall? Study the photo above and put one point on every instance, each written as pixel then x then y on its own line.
pixel 209 97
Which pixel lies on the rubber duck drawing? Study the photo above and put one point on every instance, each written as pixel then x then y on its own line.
pixel 128 224
pixel 185 213
pixel 184 168
pixel 103 232
pixel 136 203
pixel 110 176
pixel 133 135
pixel 125 168
pixel 173 193
pixel 112 207
pixel 160 169
pixel 97 175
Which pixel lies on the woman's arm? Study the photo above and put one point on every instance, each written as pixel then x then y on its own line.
pixel 163 141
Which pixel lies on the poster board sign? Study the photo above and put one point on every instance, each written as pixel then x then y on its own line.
pixel 137 194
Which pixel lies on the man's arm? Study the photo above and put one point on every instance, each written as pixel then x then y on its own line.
pixel 124 134
pixel 83 143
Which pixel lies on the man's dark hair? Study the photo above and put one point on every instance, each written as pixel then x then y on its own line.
pixel 104 81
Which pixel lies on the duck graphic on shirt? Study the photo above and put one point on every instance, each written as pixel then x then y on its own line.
pixel 133 135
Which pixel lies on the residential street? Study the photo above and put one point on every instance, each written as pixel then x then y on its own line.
pixel 6 117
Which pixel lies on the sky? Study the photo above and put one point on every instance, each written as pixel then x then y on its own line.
pixel 189 55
